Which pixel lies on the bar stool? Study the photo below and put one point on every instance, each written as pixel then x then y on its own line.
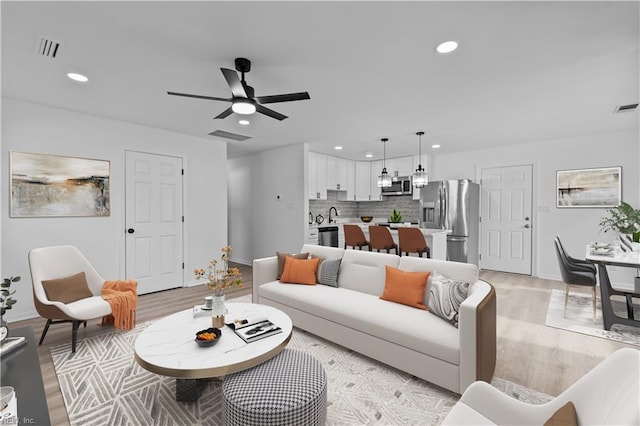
pixel 381 239
pixel 412 241
pixel 354 237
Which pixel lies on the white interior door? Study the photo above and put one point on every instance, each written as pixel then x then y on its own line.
pixel 153 217
pixel 506 219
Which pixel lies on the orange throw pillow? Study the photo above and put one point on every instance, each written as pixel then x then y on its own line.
pixel 300 271
pixel 405 287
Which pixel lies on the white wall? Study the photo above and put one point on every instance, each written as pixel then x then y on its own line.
pixel 576 227
pixel 259 223
pixel 41 129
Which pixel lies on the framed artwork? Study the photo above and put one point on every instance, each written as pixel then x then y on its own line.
pixel 45 185
pixel 589 187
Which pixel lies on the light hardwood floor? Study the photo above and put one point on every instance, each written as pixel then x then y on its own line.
pixel 528 353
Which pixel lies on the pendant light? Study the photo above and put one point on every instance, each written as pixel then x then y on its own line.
pixel 384 180
pixel 420 177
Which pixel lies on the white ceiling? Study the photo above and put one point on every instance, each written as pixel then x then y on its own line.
pixel 524 71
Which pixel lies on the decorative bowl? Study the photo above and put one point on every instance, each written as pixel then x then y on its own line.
pixel 206 343
pixel 6 395
pixel 366 219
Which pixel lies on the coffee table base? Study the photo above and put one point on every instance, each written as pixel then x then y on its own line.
pixel 189 390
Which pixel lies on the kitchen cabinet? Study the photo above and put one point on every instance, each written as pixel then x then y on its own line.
pixel 351 180
pixel 404 166
pixel 375 190
pixel 363 181
pixel 317 181
pixel 312 235
pixel 338 178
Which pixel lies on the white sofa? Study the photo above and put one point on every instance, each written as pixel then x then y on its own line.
pixel 410 339
pixel 607 395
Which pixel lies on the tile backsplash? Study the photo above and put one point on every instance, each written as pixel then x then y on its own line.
pixel 409 208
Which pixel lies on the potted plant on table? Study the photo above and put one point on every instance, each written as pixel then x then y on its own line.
pixel 6 303
pixel 395 219
pixel 219 277
pixel 624 219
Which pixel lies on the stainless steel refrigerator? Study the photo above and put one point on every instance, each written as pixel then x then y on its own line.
pixel 453 205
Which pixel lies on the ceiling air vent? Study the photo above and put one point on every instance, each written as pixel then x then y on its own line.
pixel 228 135
pixel 47 47
pixel 625 108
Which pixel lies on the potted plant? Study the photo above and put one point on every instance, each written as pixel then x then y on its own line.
pixel 6 303
pixel 624 219
pixel 396 217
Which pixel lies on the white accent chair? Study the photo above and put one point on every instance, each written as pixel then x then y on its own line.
pixel 607 395
pixel 59 262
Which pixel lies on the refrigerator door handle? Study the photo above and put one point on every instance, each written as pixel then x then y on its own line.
pixel 444 213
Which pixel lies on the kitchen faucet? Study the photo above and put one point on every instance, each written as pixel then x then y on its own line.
pixel 335 210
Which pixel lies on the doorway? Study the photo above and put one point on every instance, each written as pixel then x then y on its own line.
pixel 153 221
pixel 506 198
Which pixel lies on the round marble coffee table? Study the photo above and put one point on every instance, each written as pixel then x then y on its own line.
pixel 167 347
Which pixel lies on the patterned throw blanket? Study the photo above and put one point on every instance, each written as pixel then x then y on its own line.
pixel 122 295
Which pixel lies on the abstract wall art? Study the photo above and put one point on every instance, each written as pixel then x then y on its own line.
pixel 589 187
pixel 54 185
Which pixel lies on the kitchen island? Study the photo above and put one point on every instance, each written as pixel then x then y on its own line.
pixel 436 239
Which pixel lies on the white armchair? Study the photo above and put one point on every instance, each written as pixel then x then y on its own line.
pixel 607 395
pixel 59 262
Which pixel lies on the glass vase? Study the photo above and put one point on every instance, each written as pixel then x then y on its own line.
pixel 218 311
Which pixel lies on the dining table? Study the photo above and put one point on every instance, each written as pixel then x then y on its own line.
pixel 604 255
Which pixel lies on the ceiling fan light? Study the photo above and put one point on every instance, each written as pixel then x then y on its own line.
pixel 243 106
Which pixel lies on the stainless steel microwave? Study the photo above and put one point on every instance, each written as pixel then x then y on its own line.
pixel 400 185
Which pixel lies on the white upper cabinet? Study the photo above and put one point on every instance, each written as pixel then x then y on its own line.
pixel 351 180
pixel 404 166
pixel 363 181
pixel 318 175
pixel 338 173
pixel 376 170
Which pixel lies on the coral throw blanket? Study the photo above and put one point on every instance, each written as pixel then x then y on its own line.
pixel 122 295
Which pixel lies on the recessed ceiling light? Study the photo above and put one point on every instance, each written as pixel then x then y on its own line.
pixel 244 122
pixel 368 155
pixel 78 77
pixel 337 148
pixel 435 146
pixel 447 47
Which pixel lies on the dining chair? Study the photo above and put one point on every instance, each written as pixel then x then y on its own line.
pixel 354 237
pixel 59 294
pixel 575 273
pixel 411 240
pixel 381 239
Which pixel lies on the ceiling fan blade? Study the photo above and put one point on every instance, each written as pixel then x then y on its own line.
pixel 271 113
pixel 234 83
pixel 224 114
pixel 211 98
pixel 301 96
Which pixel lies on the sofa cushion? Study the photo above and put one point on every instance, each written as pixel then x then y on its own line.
pixel 300 271
pixel 364 271
pixel 399 324
pixel 283 256
pixel 445 297
pixel 406 288
pixel 328 272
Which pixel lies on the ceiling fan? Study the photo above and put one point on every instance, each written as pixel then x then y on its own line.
pixel 244 100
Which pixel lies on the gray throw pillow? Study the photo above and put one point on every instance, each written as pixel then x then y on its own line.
pixel 328 272
pixel 445 297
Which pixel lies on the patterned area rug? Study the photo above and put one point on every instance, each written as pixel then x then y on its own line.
pixel 102 384
pixel 579 317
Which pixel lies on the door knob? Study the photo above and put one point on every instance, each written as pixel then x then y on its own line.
pixel 527 226
pixel 131 230
pixel 526 218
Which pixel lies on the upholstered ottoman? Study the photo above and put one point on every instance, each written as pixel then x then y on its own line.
pixel 289 389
